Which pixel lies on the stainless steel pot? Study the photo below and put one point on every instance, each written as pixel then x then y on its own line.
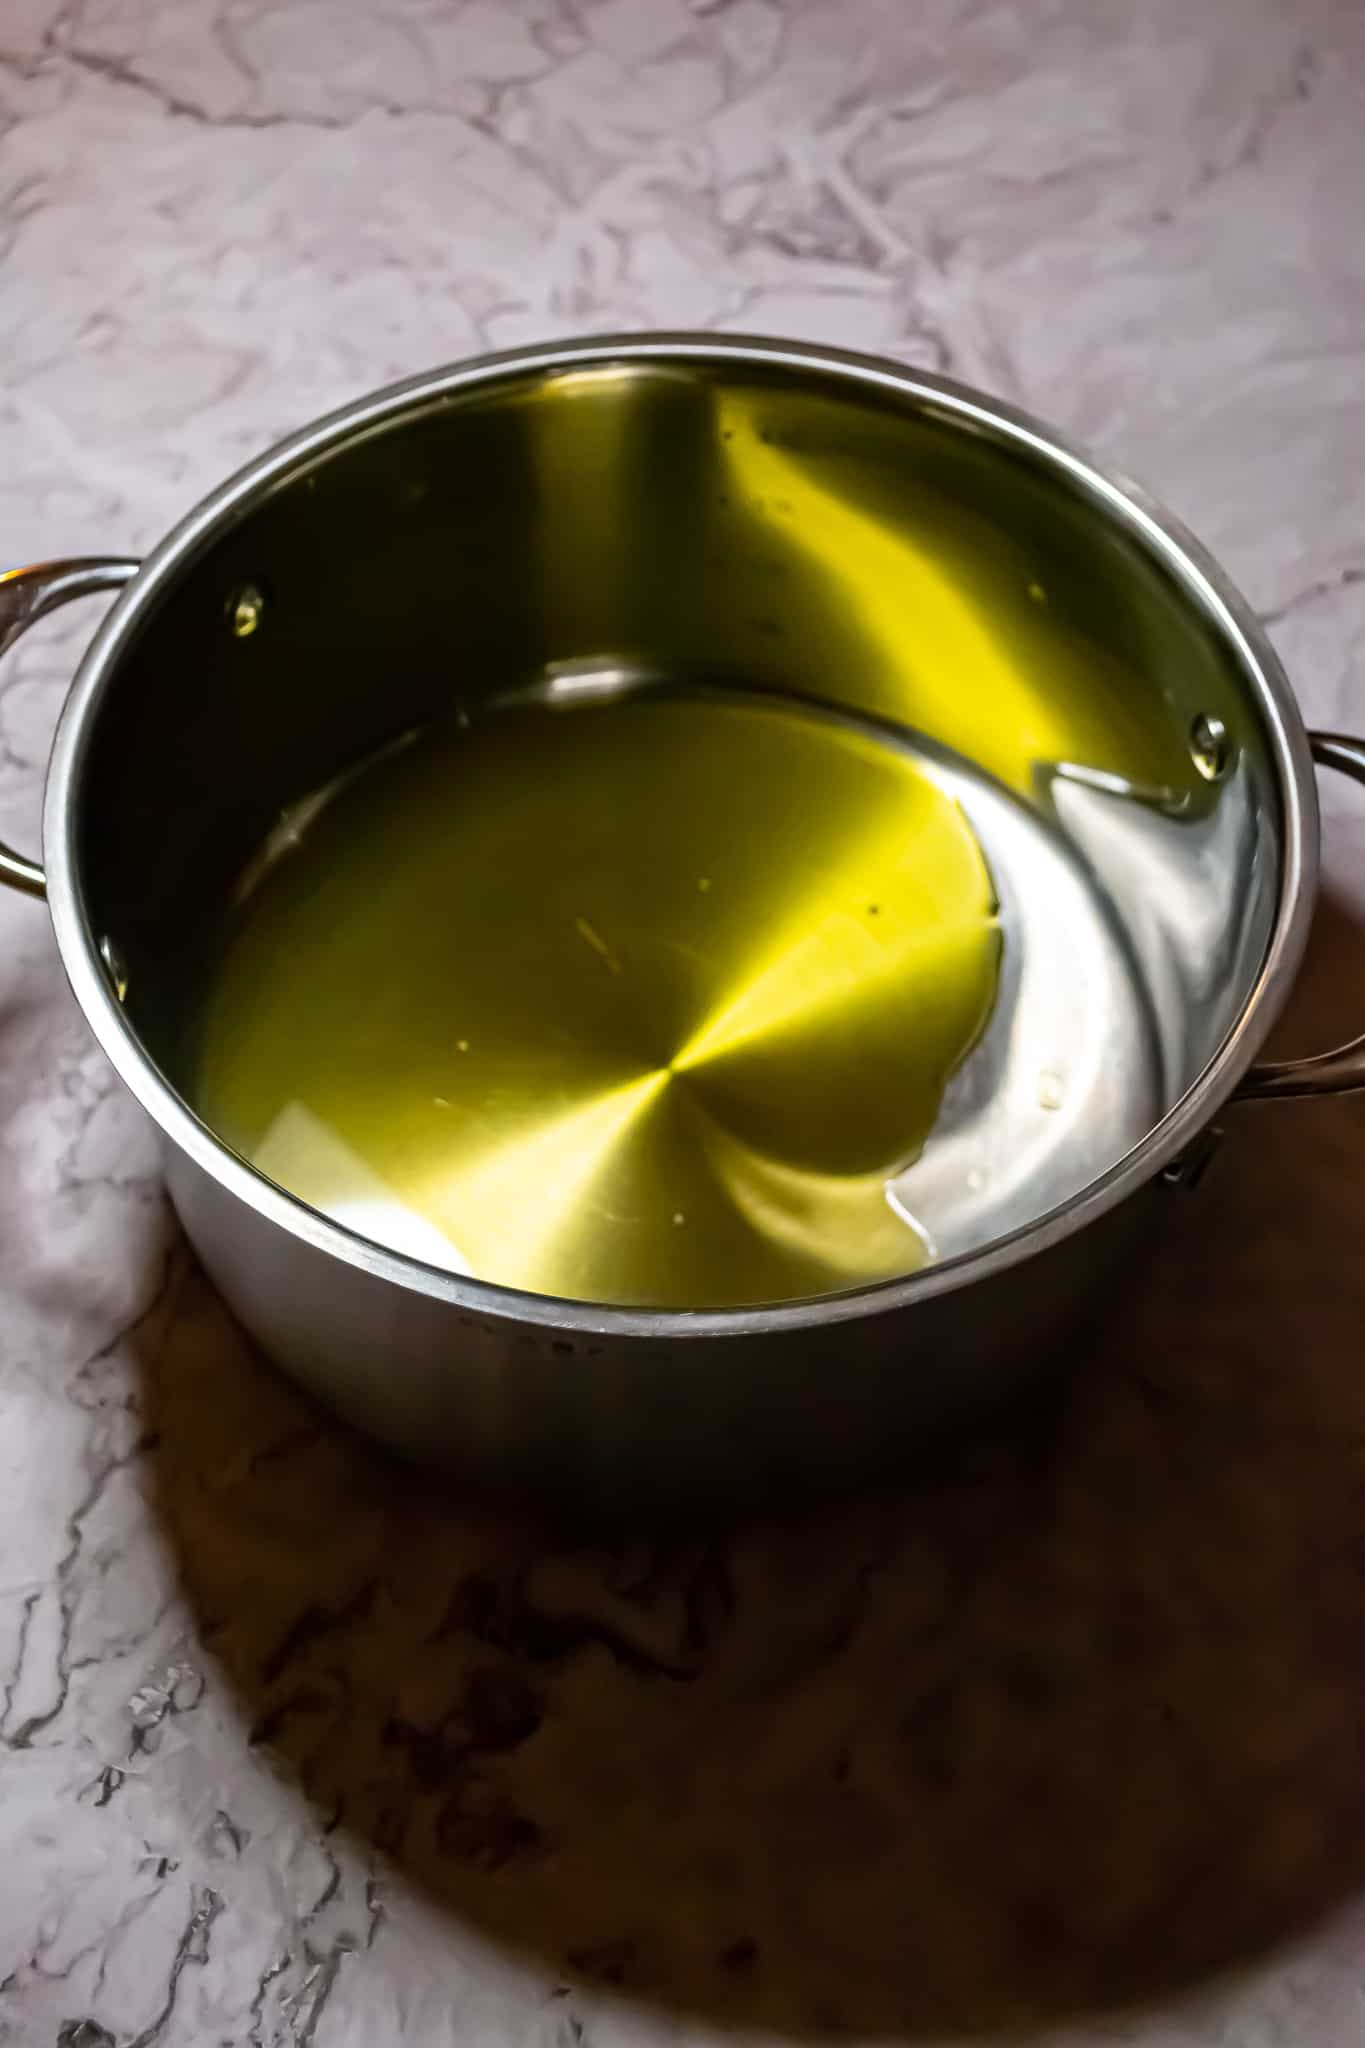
pixel 798 519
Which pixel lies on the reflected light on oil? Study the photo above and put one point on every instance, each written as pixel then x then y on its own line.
pixel 510 1206
pixel 814 982
pixel 953 675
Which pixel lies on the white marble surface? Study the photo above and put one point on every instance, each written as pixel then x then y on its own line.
pixel 293 1752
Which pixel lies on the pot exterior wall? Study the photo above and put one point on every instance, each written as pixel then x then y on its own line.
pixel 600 1420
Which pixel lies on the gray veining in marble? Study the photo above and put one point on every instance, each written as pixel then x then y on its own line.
pixel 1069 1738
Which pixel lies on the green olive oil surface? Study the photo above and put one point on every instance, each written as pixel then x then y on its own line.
pixel 642 1001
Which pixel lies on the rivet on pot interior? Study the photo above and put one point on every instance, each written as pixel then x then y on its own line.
pixel 244 609
pixel 1210 747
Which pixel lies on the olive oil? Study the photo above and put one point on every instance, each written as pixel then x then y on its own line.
pixel 639 998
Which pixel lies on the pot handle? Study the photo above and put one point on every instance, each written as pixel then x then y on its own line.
pixel 1324 1073
pixel 26 595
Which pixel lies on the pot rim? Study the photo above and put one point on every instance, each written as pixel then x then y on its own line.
pixel 1125 503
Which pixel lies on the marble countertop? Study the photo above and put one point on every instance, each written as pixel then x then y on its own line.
pixel 1065 1743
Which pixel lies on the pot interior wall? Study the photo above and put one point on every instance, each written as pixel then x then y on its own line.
pixel 757 527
